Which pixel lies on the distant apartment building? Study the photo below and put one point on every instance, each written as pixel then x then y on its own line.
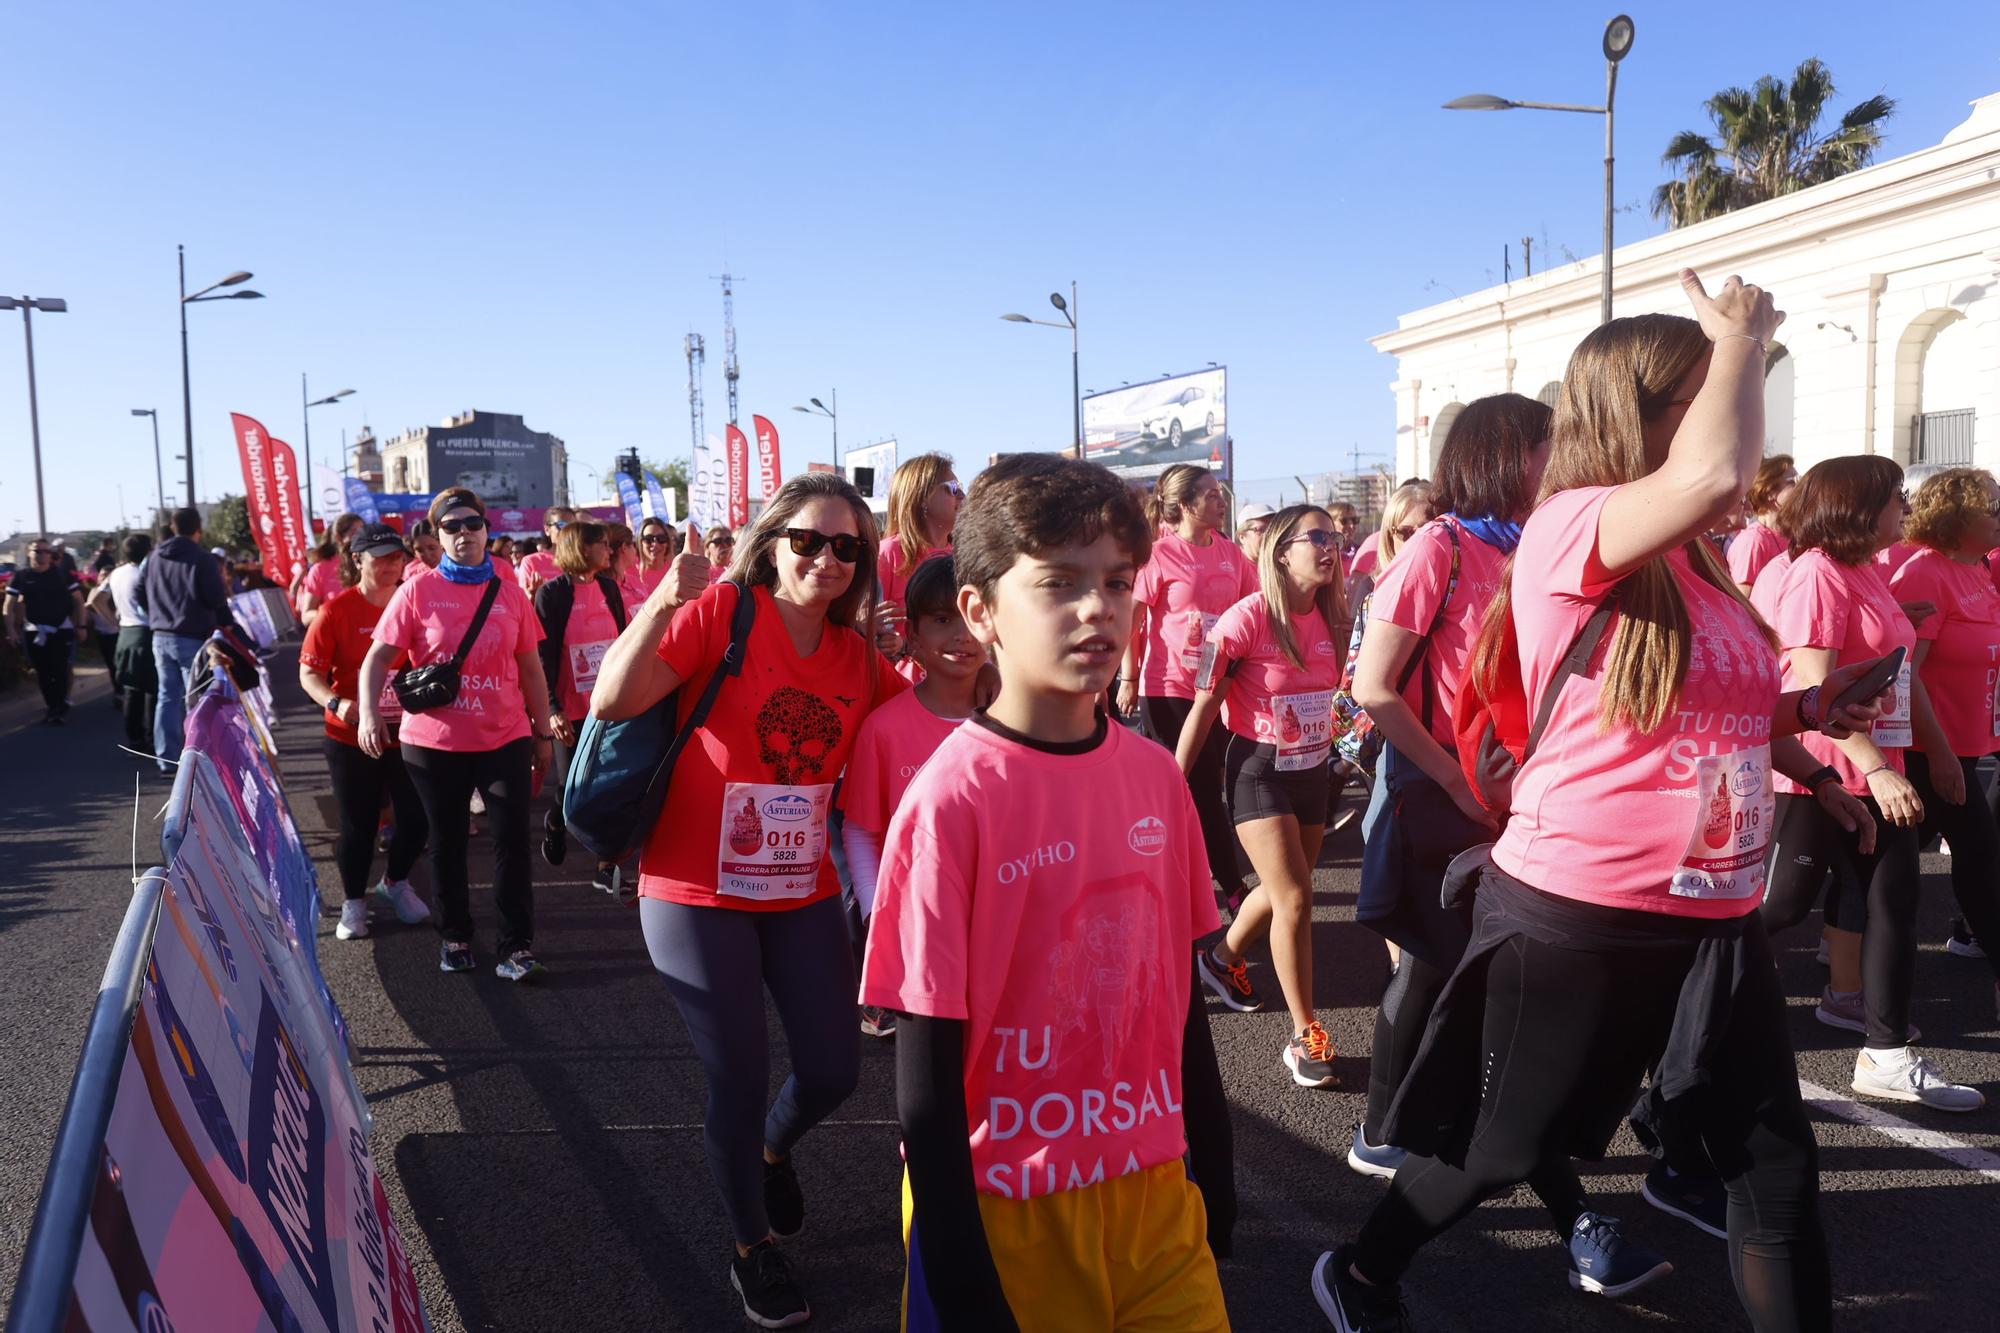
pixel 493 453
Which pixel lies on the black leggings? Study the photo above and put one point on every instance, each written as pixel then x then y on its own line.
pixel 1975 848
pixel 445 780
pixel 1808 847
pixel 359 783
pixel 1163 718
pixel 51 660
pixel 1568 1034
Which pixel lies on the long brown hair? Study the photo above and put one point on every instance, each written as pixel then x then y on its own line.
pixel 1330 601
pixel 1620 377
pixel 1172 493
pixel 755 567
pixel 908 489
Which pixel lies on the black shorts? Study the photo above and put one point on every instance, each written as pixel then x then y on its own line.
pixel 1258 790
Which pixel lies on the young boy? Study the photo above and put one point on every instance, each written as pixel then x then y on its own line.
pixel 1042 886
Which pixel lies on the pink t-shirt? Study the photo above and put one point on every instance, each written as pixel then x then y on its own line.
pixel 1050 903
pixel 639 584
pixel 1184 589
pixel 1959 667
pixel 1367 558
pixel 540 565
pixel 321 581
pixel 1850 610
pixel 1891 558
pixel 588 636
pixel 428 617
pixel 887 560
pixel 1675 821
pixel 1271 700
pixel 894 743
pixel 1770 582
pixel 1755 547
pixel 1409 595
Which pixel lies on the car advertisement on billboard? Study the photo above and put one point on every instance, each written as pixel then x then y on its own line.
pixel 1139 430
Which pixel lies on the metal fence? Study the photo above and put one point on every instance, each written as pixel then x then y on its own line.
pixel 1943 437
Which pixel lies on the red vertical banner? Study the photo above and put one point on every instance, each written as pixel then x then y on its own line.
pixel 770 473
pixel 253 449
pixel 739 476
pixel 290 512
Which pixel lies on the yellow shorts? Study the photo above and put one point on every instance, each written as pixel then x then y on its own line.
pixel 1130 1254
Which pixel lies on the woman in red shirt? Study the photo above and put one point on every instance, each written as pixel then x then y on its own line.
pixel 341 634
pixel 738 893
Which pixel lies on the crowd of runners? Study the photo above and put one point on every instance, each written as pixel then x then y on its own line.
pixel 1614 697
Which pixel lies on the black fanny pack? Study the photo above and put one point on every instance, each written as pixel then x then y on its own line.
pixel 428 688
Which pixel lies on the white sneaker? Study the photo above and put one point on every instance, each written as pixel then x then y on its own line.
pixel 1905 1076
pixel 478 802
pixel 353 920
pixel 409 908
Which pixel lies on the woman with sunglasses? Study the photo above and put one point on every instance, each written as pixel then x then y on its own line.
pixel 738 895
pixel 718 546
pixel 924 500
pixel 482 741
pixel 581 611
pixel 1270 667
pixel 658 544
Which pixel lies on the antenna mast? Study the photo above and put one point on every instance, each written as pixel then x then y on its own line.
pixel 730 372
pixel 693 346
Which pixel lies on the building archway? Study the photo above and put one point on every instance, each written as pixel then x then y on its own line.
pixel 1936 381
pixel 1780 395
pixel 1440 432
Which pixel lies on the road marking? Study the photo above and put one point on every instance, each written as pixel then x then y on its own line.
pixel 1956 1151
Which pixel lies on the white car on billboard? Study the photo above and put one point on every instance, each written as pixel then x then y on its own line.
pixel 1189 412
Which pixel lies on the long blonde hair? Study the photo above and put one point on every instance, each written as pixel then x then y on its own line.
pixel 1410 495
pixel 1621 376
pixel 756 567
pixel 908 489
pixel 1330 601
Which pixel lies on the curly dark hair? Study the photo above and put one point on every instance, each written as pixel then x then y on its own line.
pixel 1030 503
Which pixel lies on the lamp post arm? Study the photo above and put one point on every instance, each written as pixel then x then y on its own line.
pixel 1567 106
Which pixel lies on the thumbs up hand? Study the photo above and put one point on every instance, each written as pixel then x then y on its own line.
pixel 1736 310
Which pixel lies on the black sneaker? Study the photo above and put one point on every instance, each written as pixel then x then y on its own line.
pixel 608 879
pixel 771 1298
pixel 784 1202
pixel 454 957
pixel 1962 942
pixel 1700 1201
pixel 555 838
pixel 1356 1307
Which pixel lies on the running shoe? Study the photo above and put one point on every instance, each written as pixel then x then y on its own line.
pixel 1902 1075
pixel 1309 1057
pixel 402 898
pixel 353 920
pixel 1230 984
pixel 784 1201
pixel 1845 1009
pixel 555 838
pixel 1962 942
pixel 454 956
pixel 1604 1263
pixel 1698 1201
pixel 771 1296
pixel 1381 1163
pixel 877 1021
pixel 1352 1306
pixel 607 879
pixel 517 966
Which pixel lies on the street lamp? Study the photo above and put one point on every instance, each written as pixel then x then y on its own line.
pixel 306 416
pixel 1618 36
pixel 159 475
pixel 48 305
pixel 187 395
pixel 1068 309
pixel 832 414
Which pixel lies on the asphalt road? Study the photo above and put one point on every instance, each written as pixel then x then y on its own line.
pixel 542 1145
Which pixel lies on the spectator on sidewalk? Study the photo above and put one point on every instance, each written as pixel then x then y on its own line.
pixel 44 612
pixel 184 599
pixel 133 671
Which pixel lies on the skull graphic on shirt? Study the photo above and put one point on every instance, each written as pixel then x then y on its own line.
pixel 795 734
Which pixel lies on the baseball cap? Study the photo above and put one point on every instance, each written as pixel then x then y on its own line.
pixel 1251 513
pixel 375 539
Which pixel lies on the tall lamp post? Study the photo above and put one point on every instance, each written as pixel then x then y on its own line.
pixel 306 416
pixel 819 409
pixel 1068 310
pixel 159 474
pixel 1618 36
pixel 48 305
pixel 187 394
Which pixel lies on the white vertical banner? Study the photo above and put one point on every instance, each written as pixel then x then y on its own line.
pixel 329 493
pixel 708 484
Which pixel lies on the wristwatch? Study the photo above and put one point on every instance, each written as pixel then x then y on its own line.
pixel 333 708
pixel 1819 777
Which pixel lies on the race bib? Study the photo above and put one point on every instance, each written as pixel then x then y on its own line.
pixel 1892 729
pixel 1734 810
pixel 1993 696
pixel 584 661
pixel 1195 629
pixel 1302 729
pixel 390 705
pixel 773 839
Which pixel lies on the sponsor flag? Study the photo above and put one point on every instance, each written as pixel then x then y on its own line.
pixel 661 503
pixel 361 500
pixel 253 449
pixel 291 515
pixel 770 474
pixel 739 476
pixel 628 495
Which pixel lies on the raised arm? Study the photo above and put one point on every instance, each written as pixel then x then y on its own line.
pixel 633 677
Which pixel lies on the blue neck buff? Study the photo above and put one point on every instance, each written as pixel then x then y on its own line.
pixel 1501 533
pixel 458 573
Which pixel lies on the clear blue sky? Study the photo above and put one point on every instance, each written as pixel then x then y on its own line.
pixel 519 207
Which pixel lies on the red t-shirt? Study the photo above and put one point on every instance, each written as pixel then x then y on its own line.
pixel 1185 589
pixel 1408 597
pixel 338 638
pixel 1675 821
pixel 1755 547
pixel 1850 610
pixel 745 822
pixel 1270 699
pixel 429 616
pixel 1964 635
pixel 895 742
pixel 1050 903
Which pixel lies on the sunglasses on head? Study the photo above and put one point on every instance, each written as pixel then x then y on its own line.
pixel 1319 537
pixel 470 523
pixel 847 547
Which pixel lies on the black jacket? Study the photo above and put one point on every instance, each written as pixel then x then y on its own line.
pixel 182 591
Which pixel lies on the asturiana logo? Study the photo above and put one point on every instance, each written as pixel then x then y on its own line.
pixel 1148 837
pixel 789 807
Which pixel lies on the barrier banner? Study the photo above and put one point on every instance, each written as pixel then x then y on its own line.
pixel 264 615
pixel 661 503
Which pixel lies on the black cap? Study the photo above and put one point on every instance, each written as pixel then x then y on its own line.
pixel 375 539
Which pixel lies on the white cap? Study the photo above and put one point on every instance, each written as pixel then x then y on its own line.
pixel 1251 513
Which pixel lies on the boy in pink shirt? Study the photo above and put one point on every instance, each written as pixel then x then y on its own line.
pixel 1043 885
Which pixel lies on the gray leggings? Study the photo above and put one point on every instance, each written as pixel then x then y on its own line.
pixel 718 962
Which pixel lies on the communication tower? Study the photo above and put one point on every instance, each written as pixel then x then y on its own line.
pixel 730 372
pixel 693 347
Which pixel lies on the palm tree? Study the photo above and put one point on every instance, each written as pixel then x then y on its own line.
pixel 1767 143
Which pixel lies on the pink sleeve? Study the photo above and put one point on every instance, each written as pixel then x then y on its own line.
pixel 1558 550
pixel 862 790
pixel 1412 589
pixel 921 931
pixel 1917 581
pixel 699 632
pixel 398 623
pixel 1147 586
pixel 1232 639
pixel 1740 552
pixel 1248 583
pixel 1812 608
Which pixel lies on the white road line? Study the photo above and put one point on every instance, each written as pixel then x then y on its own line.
pixel 1959 1153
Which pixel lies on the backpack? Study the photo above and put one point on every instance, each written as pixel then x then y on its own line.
pixel 1491 731
pixel 620 773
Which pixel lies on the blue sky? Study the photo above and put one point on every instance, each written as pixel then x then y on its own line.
pixel 519 207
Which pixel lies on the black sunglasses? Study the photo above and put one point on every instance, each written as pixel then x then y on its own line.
pixel 655 539
pixel 1319 537
pixel 471 523
pixel 847 547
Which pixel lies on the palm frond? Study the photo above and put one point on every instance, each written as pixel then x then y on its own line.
pixel 1687 150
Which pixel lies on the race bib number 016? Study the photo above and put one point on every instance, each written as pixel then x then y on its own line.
pixel 773 839
pixel 1892 729
pixel 1302 726
pixel 1734 810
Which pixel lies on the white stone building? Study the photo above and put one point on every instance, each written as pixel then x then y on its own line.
pixel 1890 278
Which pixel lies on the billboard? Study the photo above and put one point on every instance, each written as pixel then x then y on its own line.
pixel 495 454
pixel 882 458
pixel 1137 431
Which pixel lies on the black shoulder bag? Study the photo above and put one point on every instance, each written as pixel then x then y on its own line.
pixel 428 688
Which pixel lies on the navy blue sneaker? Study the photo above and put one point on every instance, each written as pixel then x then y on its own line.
pixel 1352 1306
pixel 454 957
pixel 1697 1200
pixel 1369 1160
pixel 1604 1263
